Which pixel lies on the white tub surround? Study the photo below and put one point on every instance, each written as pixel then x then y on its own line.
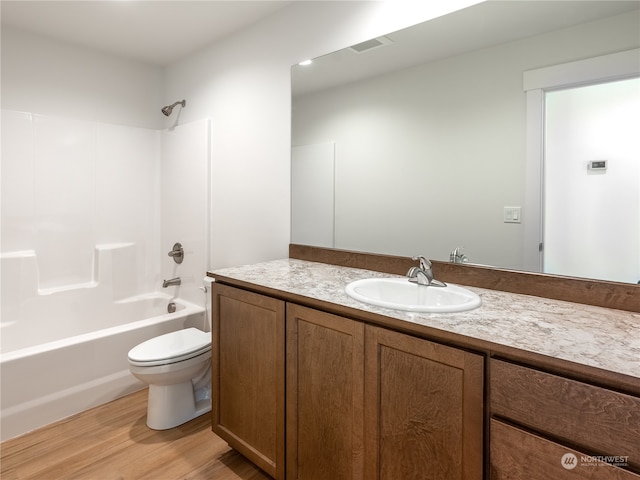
pixel 48 382
pixel 64 347
pixel 89 212
pixel 33 315
pixel 606 341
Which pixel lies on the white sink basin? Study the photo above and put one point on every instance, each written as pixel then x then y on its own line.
pixel 401 294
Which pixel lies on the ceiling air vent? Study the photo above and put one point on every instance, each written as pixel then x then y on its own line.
pixel 371 44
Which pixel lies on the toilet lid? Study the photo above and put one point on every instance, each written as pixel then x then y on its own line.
pixel 174 347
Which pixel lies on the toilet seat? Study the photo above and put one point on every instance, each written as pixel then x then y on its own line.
pixel 171 348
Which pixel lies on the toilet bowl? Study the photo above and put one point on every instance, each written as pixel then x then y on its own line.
pixel 177 368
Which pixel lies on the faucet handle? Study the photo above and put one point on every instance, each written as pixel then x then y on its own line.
pixel 177 253
pixel 425 264
pixel 457 256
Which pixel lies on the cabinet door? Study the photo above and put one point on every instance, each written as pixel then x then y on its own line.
pixel 325 371
pixel 248 375
pixel 423 409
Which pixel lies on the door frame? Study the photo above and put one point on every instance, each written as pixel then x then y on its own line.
pixel 601 69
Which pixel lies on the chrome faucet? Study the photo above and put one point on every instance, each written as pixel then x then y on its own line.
pixel 457 256
pixel 422 274
pixel 172 282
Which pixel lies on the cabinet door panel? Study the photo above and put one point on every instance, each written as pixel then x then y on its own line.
pixel 423 410
pixel 248 375
pixel 325 356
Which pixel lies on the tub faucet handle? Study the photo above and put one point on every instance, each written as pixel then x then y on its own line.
pixel 177 253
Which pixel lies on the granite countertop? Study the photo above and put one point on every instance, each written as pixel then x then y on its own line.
pixel 598 337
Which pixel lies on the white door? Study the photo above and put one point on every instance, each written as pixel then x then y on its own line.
pixel 591 215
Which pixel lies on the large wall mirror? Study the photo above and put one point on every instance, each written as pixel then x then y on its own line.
pixel 420 141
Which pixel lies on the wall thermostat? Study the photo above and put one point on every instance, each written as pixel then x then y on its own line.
pixel 597 165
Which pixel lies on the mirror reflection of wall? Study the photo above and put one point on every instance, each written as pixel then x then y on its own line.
pixel 312 194
pixel 428 157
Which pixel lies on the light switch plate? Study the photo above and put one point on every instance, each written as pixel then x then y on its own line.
pixel 512 214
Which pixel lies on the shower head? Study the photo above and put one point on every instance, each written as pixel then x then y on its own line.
pixel 169 108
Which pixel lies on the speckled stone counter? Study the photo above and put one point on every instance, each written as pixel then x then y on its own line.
pixel 592 336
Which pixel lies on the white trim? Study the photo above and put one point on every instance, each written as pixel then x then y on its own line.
pixel 533 235
pixel 596 69
pixel 600 69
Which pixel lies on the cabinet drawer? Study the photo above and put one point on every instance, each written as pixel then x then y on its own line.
pixel 593 418
pixel 519 455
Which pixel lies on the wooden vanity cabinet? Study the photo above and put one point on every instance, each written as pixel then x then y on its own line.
pixel 248 375
pixel 547 426
pixel 365 402
pixel 369 403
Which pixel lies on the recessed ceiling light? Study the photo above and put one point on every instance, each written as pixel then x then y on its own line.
pixel 306 62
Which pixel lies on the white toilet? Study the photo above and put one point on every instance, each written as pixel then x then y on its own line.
pixel 177 367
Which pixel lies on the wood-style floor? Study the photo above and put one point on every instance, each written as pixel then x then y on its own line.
pixel 112 442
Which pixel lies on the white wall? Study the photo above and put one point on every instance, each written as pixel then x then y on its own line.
pixel 426 158
pixel 243 85
pixel 41 75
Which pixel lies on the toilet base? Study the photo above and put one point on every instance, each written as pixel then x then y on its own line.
pixel 172 405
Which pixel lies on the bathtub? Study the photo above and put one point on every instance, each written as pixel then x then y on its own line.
pixel 48 372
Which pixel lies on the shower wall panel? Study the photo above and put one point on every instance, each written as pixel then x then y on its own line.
pixel 69 185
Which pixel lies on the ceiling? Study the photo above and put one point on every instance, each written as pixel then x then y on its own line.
pixel 484 25
pixel 157 32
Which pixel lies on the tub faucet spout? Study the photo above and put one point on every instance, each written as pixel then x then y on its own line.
pixel 172 282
